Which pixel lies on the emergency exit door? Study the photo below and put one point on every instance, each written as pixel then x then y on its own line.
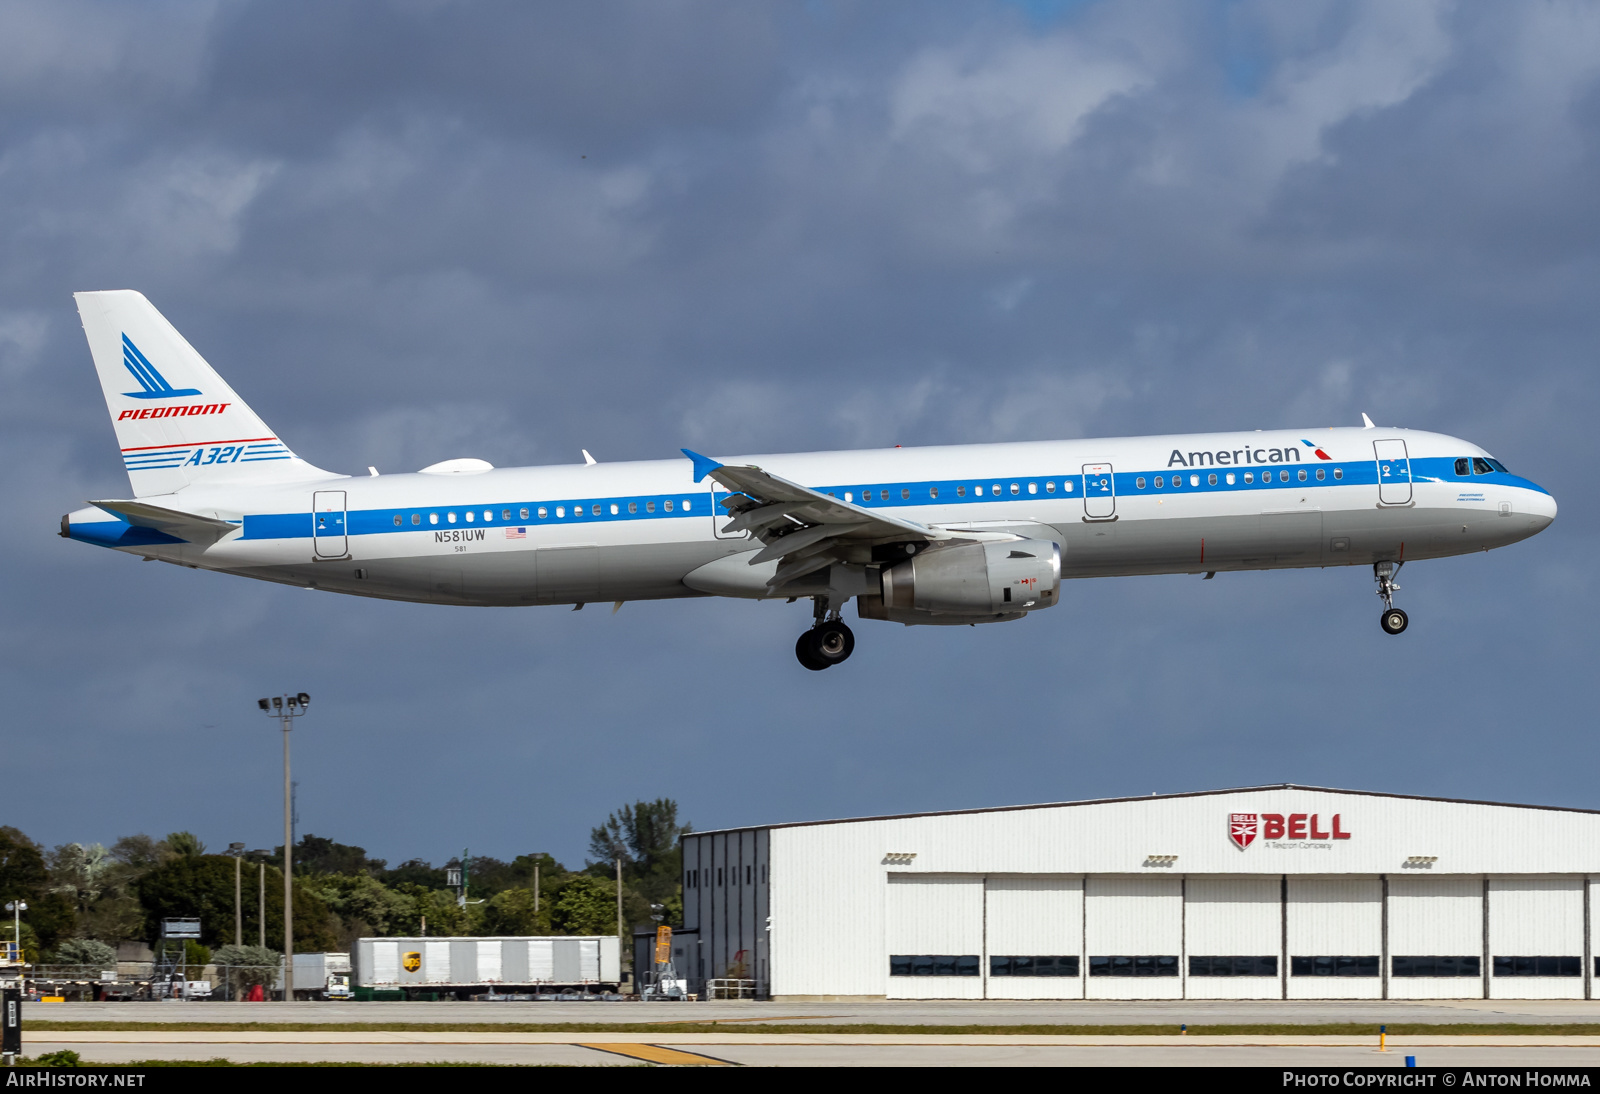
pixel 1099 492
pixel 1394 472
pixel 328 524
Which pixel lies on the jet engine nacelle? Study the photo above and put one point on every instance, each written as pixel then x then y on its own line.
pixel 969 583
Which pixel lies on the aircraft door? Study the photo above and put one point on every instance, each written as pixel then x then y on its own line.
pixel 720 516
pixel 328 524
pixel 1099 492
pixel 1394 472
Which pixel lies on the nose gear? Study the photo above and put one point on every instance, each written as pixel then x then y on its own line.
pixel 1393 620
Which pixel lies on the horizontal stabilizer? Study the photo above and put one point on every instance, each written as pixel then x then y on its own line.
pixel 185 526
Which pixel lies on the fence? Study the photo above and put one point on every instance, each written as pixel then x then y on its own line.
pixel 138 980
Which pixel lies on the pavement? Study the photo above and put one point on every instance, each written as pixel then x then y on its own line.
pixel 820 1049
pixel 878 1011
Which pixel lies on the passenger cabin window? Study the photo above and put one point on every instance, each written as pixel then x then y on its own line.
pixel 1033 488
pixel 1212 478
pixel 1015 489
pixel 667 505
pixel 595 511
pixel 615 509
pixel 1049 488
pixel 905 494
pixel 561 511
pixel 433 518
pixel 1230 478
pixel 1139 482
pixel 633 507
pixel 1194 480
pixel 933 491
pixel 1480 467
pixel 1322 473
pixel 961 491
pixel 416 518
pixel 1283 476
pixel 685 505
pixel 542 512
pixel 1463 467
pixel 1338 472
pixel 649 507
pixel 451 517
pixel 1302 474
pixel 1249 477
pixel 397 520
pixel 997 490
pixel 1158 482
pixel 471 514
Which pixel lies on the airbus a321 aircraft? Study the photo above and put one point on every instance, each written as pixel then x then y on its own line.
pixel 964 534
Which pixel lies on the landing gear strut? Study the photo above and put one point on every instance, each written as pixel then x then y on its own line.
pixel 1393 619
pixel 828 642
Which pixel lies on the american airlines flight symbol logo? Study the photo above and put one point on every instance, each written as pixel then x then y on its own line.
pixel 155 385
pixel 1321 455
pixel 1243 828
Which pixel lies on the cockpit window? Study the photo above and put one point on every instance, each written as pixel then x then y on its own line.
pixel 1480 467
pixel 1498 466
pixel 1463 467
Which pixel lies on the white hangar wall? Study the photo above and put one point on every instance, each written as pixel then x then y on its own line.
pixel 1358 895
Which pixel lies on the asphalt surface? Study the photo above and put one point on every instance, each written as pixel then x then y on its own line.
pixel 887 1012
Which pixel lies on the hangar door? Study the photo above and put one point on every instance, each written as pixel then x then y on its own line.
pixel 1133 930
pixel 1435 937
pixel 1335 938
pixel 1035 937
pixel 1536 938
pixel 935 937
pixel 1233 944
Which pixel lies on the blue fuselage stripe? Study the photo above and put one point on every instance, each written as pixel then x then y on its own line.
pixel 1176 482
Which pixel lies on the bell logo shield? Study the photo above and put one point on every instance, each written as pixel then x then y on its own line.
pixel 412 961
pixel 1243 828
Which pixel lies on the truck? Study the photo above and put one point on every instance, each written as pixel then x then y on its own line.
pixel 321 976
pixel 464 968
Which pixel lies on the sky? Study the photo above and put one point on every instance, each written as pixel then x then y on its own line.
pixel 421 230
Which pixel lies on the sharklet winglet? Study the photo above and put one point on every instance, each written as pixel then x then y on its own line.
pixel 703 465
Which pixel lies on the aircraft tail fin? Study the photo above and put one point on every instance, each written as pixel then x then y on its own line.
pixel 177 421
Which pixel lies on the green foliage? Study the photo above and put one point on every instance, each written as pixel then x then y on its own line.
pixel 511 912
pixel 203 887
pixel 320 855
pixel 185 844
pixel 413 872
pixel 648 832
pixel 363 905
pixel 249 965
pixel 89 952
pixel 62 1058
pixel 586 905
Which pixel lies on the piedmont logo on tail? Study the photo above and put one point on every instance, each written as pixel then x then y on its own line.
pixel 945 536
pixel 155 385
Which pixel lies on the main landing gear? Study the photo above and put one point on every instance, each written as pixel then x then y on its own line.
pixel 1393 620
pixel 829 642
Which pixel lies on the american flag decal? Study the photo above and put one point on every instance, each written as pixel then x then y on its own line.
pixel 516 533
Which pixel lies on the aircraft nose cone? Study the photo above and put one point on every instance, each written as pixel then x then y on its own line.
pixel 1541 506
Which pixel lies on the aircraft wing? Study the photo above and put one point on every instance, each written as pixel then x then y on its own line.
pixel 806 528
pixel 185 526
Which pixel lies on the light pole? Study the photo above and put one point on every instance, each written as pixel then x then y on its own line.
pixel 16 908
pixel 237 850
pixel 619 850
pixel 286 708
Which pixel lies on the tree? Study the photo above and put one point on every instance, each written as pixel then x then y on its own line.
pixel 185 844
pixel 23 876
pixel 249 965
pixel 413 872
pixel 653 863
pixel 320 855
pixel 511 912
pixel 203 887
pixel 88 952
pixel 363 905
pixel 586 905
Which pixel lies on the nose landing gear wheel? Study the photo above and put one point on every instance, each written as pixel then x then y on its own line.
pixel 825 645
pixel 1393 620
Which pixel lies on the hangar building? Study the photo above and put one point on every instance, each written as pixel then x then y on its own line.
pixel 1272 892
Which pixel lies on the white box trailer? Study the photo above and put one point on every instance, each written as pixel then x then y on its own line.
pixel 321 975
pixel 468 965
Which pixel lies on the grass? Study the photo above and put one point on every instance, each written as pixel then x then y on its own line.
pixel 1253 1029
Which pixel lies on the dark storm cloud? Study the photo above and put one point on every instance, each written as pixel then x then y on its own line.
pixel 413 231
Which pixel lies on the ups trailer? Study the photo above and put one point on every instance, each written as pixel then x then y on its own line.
pixel 461 968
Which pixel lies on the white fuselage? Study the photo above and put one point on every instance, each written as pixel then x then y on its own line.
pixel 648 530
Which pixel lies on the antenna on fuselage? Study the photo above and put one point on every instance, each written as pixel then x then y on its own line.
pixel 1366 423
pixel 588 459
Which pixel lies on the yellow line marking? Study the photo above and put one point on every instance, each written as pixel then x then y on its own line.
pixel 656 1054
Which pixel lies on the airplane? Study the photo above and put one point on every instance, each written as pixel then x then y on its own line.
pixel 952 535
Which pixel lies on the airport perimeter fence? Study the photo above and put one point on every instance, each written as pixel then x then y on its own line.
pixel 141 980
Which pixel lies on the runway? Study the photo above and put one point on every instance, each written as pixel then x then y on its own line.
pixel 809 1034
